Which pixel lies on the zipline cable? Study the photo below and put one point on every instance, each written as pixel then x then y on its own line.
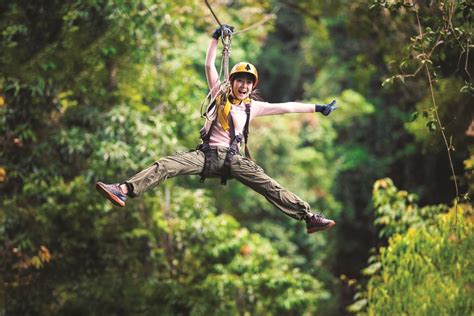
pixel 212 11
pixel 267 18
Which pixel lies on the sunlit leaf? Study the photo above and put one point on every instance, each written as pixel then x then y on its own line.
pixel 431 126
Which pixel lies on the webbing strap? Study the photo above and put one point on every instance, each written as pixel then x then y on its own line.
pixel 206 149
pixel 231 152
pixel 233 149
pixel 232 128
pixel 246 130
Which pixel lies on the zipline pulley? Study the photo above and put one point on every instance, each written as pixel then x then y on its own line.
pixel 226 42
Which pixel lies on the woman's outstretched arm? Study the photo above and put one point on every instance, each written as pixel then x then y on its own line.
pixel 265 108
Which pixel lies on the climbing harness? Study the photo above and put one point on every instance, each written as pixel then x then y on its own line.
pixel 235 140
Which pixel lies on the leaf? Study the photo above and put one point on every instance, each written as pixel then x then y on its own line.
pixel 387 81
pixel 36 262
pixel 358 306
pixel 413 116
pixel 468 88
pixel 401 78
pixel 431 126
pixel 372 269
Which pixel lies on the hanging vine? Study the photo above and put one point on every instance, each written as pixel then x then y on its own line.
pixel 455 32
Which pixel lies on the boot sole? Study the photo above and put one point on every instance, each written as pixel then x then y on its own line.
pixel 109 196
pixel 317 229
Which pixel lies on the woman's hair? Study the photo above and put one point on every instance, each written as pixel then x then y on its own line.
pixel 255 95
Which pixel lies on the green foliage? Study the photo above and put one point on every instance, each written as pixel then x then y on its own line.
pixel 397 210
pixel 162 252
pixel 100 89
pixel 353 106
pixel 458 116
pixel 96 91
pixel 469 173
pixel 426 268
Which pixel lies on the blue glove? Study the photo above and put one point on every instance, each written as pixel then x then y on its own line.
pixel 218 32
pixel 327 108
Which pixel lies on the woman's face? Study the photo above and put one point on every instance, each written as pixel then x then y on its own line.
pixel 242 86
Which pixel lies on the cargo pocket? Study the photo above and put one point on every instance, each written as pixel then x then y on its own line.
pixel 251 165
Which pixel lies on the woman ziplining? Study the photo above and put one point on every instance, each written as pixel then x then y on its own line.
pixel 234 104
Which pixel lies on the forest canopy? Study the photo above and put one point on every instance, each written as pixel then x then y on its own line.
pixel 99 89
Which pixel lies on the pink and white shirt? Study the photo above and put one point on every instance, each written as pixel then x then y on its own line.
pixel 221 138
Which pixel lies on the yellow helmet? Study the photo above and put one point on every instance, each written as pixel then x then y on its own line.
pixel 244 67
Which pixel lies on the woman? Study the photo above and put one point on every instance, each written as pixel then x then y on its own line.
pixel 219 153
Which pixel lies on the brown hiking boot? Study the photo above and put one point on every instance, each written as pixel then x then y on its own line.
pixel 317 222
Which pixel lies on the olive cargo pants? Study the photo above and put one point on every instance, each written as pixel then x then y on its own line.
pixel 242 169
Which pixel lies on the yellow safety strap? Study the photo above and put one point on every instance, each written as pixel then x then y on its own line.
pixel 224 110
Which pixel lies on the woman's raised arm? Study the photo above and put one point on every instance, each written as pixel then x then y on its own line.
pixel 211 71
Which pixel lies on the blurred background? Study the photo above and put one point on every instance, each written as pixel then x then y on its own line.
pixel 97 90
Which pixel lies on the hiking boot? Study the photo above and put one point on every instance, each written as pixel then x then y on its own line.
pixel 112 192
pixel 317 222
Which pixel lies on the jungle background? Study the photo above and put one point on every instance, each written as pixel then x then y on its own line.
pixel 97 90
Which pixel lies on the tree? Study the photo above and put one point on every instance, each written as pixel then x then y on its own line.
pixel 426 267
pixel 94 90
